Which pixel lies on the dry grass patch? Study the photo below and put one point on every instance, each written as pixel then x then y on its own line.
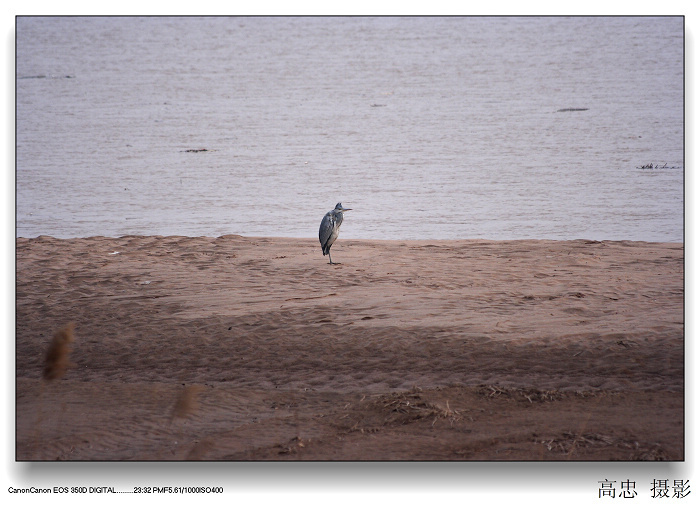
pixel 569 443
pixel 531 395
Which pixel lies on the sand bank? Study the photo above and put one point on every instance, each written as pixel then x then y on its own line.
pixel 440 350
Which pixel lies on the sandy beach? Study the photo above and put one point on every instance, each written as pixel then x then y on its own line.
pixel 242 348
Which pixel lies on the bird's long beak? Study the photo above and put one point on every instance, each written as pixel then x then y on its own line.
pixel 346 209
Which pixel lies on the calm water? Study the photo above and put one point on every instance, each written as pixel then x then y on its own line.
pixel 427 127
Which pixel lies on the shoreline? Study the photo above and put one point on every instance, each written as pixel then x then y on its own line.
pixel 346 239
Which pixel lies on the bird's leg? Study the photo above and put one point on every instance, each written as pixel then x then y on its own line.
pixel 330 261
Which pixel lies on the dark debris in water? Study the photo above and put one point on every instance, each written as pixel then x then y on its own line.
pixel 571 109
pixel 44 76
pixel 651 165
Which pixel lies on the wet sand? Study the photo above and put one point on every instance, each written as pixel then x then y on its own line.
pixel 236 348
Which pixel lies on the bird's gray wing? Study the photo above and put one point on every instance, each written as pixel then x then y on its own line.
pixel 326 229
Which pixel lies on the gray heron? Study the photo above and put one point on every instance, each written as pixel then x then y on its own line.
pixel 330 227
